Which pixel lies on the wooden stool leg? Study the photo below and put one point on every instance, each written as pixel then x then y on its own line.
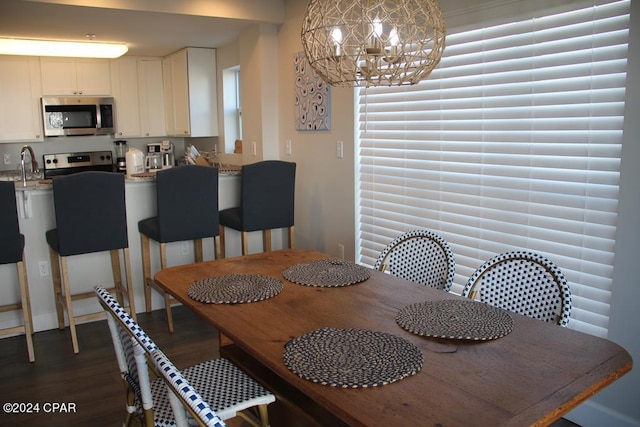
pixel 198 250
pixel 245 242
pixel 69 304
pixel 26 308
pixel 223 252
pixel 167 297
pixel 266 240
pixel 116 272
pixel 291 238
pixel 129 283
pixel 57 286
pixel 216 247
pixel 146 271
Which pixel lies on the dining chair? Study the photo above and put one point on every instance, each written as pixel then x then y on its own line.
pixel 523 282
pixel 91 217
pixel 224 387
pixel 12 252
pixel 187 209
pixel 267 193
pixel 420 256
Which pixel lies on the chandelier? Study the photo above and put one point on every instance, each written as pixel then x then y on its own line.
pixel 373 42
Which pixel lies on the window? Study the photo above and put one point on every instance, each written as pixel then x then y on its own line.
pixel 513 142
pixel 232 108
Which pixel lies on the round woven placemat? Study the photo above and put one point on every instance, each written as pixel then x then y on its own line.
pixel 455 319
pixel 352 358
pixel 327 273
pixel 234 289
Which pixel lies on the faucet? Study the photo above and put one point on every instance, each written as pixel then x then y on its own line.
pixel 23 167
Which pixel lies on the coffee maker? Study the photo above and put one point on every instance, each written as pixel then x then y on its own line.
pixel 159 156
pixel 168 159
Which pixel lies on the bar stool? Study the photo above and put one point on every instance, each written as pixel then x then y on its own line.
pixel 187 209
pixel 12 252
pixel 267 193
pixel 91 217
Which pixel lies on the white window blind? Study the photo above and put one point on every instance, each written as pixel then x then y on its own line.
pixel 513 142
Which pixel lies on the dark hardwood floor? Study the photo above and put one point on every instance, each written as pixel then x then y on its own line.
pixel 89 383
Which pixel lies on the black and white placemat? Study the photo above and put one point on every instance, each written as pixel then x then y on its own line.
pixel 327 273
pixel 455 319
pixel 352 358
pixel 234 289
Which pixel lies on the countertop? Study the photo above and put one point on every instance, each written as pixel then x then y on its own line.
pixel 45 184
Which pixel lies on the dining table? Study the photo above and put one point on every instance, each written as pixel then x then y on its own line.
pixel 523 372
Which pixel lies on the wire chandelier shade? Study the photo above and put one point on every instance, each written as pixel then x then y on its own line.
pixel 373 42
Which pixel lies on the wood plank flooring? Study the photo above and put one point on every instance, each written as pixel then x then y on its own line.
pixel 89 382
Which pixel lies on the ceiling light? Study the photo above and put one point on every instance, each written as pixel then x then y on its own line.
pixel 61 48
pixel 373 42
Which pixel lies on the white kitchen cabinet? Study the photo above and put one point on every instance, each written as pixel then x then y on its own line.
pixel 20 93
pixel 191 93
pixel 139 96
pixel 75 76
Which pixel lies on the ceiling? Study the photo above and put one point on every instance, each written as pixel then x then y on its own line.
pixel 148 27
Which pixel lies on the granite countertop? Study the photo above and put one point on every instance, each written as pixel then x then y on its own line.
pixel 44 184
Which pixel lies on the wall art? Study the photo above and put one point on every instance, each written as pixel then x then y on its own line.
pixel 312 97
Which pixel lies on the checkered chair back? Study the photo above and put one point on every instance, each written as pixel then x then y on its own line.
pixel 182 396
pixel 523 282
pixel 420 256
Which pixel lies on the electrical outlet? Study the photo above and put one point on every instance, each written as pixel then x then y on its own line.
pixel 254 148
pixel 184 248
pixel 288 147
pixel 43 266
pixel 339 149
pixel 340 251
pixel 7 159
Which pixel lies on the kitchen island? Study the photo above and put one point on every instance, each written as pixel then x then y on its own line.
pixel 36 216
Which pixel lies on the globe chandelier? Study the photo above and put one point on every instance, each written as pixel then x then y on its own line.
pixel 373 42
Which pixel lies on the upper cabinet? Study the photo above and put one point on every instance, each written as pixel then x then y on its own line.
pixel 139 95
pixel 191 93
pixel 20 92
pixel 75 76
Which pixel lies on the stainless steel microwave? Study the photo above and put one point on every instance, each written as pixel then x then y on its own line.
pixel 78 115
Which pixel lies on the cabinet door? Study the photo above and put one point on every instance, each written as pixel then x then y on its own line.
pixel 179 86
pixel 93 77
pixel 70 76
pixel 20 92
pixel 58 76
pixel 151 90
pixel 125 92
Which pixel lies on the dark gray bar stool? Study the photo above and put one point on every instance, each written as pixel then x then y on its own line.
pixel 267 194
pixel 12 252
pixel 90 217
pixel 187 209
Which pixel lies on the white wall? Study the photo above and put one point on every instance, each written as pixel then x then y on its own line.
pixel 325 193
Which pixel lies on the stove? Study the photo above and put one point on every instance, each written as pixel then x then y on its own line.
pixel 68 163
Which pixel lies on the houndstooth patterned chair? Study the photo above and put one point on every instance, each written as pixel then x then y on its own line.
pixel 523 282
pixel 223 386
pixel 421 256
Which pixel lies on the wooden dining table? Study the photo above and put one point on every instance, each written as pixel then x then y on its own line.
pixel 532 376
